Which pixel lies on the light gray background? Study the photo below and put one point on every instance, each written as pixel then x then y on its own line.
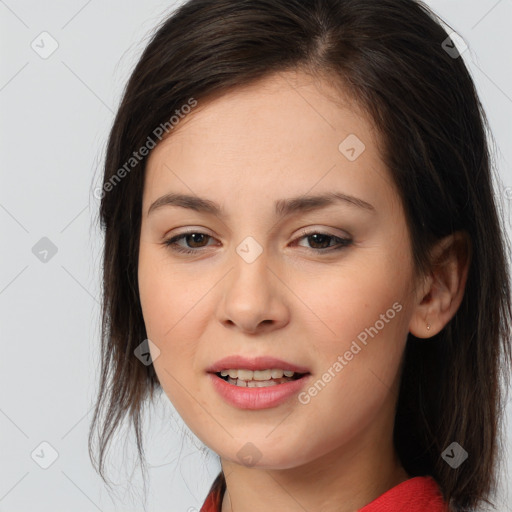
pixel 56 113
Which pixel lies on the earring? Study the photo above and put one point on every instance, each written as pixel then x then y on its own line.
pixel 428 327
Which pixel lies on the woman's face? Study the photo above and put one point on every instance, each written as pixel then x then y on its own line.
pixel 324 285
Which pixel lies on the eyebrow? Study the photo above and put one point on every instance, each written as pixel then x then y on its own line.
pixel 282 207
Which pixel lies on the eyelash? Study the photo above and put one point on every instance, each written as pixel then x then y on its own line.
pixel 342 242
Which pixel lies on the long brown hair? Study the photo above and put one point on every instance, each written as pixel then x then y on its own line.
pixel 392 57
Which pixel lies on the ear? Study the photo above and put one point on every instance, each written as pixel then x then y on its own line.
pixel 442 289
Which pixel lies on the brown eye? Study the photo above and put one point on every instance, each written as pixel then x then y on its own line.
pixel 193 240
pixel 321 242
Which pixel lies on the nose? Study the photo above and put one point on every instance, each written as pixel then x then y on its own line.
pixel 254 297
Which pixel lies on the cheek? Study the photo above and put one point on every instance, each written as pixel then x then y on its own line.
pixel 348 303
pixel 168 295
pixel 172 310
pixel 364 326
pixel 361 338
pixel 169 328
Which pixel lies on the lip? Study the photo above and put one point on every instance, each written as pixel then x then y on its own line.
pixel 257 398
pixel 255 363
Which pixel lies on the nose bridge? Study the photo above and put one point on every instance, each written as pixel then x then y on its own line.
pixel 249 279
pixel 252 294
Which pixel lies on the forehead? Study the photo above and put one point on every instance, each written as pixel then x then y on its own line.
pixel 286 132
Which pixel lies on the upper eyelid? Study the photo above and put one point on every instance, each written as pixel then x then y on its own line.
pixel 302 232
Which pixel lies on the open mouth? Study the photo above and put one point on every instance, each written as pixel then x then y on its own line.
pixel 259 383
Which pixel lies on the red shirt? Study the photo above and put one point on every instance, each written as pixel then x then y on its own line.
pixel 418 494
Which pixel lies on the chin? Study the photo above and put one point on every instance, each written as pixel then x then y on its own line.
pixel 262 455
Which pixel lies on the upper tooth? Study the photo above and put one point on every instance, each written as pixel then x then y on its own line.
pixel 257 375
pixel 274 373
pixel 249 375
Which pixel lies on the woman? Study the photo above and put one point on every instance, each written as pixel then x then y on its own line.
pixel 300 230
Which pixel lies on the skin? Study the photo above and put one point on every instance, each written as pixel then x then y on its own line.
pixel 275 139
